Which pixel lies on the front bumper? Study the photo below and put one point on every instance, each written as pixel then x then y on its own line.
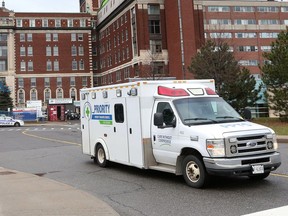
pixel 241 165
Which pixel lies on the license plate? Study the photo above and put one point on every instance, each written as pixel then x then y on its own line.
pixel 257 169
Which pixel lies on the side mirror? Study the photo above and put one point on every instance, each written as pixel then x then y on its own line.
pixel 158 119
pixel 247 114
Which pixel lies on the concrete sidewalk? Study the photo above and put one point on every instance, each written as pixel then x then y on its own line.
pixel 30 195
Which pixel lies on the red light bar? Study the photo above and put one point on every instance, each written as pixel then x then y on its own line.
pixel 172 92
pixel 209 91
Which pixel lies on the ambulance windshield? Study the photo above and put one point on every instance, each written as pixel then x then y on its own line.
pixel 209 110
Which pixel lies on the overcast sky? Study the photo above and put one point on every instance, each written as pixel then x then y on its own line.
pixel 42 5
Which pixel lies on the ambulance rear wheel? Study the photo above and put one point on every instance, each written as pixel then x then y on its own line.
pixel 100 156
pixel 194 171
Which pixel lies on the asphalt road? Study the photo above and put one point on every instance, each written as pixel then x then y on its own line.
pixel 53 151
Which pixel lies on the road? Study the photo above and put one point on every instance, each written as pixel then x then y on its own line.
pixel 53 151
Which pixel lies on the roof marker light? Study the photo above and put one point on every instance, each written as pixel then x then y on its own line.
pixel 209 91
pixel 172 92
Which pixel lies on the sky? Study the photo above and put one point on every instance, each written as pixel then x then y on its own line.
pixel 42 5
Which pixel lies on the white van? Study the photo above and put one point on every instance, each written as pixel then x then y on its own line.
pixel 181 127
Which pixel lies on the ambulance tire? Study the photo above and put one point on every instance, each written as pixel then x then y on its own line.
pixel 17 124
pixel 100 156
pixel 194 171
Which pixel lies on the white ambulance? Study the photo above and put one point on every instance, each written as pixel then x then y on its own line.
pixel 181 127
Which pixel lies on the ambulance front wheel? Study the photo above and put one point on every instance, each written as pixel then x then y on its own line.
pixel 194 171
pixel 100 156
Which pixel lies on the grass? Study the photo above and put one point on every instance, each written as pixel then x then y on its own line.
pixel 281 128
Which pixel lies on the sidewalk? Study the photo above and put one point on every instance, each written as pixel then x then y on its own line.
pixel 30 195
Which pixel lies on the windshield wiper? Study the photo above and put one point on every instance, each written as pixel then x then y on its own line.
pixel 230 117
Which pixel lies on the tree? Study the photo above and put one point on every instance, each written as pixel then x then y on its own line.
pixel 236 85
pixel 275 74
pixel 5 99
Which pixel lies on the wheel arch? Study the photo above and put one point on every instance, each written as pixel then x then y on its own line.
pixel 183 154
pixel 103 143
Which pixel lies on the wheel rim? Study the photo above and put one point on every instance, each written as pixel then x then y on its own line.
pixel 101 155
pixel 193 171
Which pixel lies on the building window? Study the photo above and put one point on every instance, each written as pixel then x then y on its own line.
pixel 248 62
pixel 49 65
pixel 84 81
pixel 33 94
pixel 119 113
pixel 56 65
pixel 284 9
pixel 268 22
pixel 33 82
pixel 18 23
pixel 218 8
pixel 266 48
pixel 157 67
pixel 48 51
pixel 23 66
pixel 80 37
pixel 57 23
pixel 118 75
pixel 30 51
pixel 81 65
pixel 245 22
pixel 44 23
pixel 73 37
pixel 47 82
pixel 29 37
pixel 47 95
pixel 126 73
pixel 21 96
pixel 55 37
pixel 59 81
pixel 268 35
pixel 220 21
pixel 48 37
pixel 55 51
pixel 74 65
pixel 22 51
pixel 59 93
pixel 32 23
pixel 154 27
pixel 3 65
pixel 22 37
pixel 74 50
pixel 244 9
pixel 220 35
pixel 245 35
pixel 153 9
pixel 82 23
pixel 73 94
pixel 30 66
pixel 247 48
pixel 267 9
pixel 70 22
pixel 20 83
pixel 155 46
pixel 81 50
pixel 72 81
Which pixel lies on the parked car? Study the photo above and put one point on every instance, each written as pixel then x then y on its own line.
pixel 70 115
pixel 9 121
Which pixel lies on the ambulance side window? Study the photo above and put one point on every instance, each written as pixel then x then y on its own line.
pixel 119 113
pixel 166 110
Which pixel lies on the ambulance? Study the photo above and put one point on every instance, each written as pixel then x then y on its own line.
pixel 177 126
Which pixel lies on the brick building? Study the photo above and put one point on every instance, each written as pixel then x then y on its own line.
pixel 150 39
pixel 249 27
pixel 45 55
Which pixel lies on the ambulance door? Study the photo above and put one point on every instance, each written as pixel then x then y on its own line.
pixel 134 131
pixel 86 113
pixel 118 144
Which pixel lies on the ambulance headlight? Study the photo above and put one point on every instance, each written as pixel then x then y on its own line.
pixel 215 147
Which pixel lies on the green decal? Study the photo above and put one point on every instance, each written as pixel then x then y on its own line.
pixel 103 122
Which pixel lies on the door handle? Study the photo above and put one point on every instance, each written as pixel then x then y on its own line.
pixel 130 130
pixel 114 129
pixel 154 138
